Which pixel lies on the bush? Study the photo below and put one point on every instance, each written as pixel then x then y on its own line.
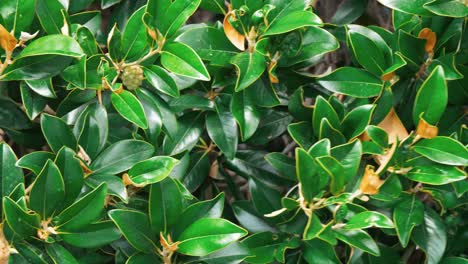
pixel 256 133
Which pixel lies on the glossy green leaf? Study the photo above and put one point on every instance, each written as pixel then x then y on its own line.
pixel 323 109
pixel 10 175
pixel 176 15
pixel 246 113
pixel 318 251
pixel 134 37
pixel 250 67
pixel 431 237
pixel 358 239
pixel 406 215
pixel 443 150
pixel 449 8
pixel 50 15
pixel 57 133
pixel 307 173
pixel 291 21
pixel 33 103
pixel 17 17
pixel 165 205
pixel 72 173
pixel 282 163
pixel 431 99
pixel 59 254
pixel 23 223
pixel 181 59
pixel 48 190
pixel 130 108
pixel 151 170
pixel 301 133
pixel 188 132
pixel 115 186
pixel 368 219
pixel 84 211
pixel 222 129
pixel 353 82
pixel 161 80
pixel 436 174
pixel 35 161
pixel 207 235
pixel 356 120
pixel 412 7
pixel 94 235
pixel 121 156
pixel 349 155
pixel 333 168
pixel 93 129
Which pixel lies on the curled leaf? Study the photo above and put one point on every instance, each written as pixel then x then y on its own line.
pixel 7 41
pixel 370 182
pixel 430 37
pixel 394 127
pixel 426 130
pixel 236 38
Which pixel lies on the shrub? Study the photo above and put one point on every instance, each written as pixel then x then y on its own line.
pixel 260 135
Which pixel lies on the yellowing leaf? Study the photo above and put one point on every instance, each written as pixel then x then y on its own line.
pixel 236 38
pixel 394 127
pixel 430 37
pixel 426 130
pixel 370 182
pixel 7 41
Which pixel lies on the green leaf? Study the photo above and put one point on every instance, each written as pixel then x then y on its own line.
pixel 307 173
pixel 57 133
pixel 349 155
pixel 130 108
pixel 431 237
pixel 205 209
pixel 208 235
pixel 449 8
pixel 181 59
pixel 17 17
pixel 121 156
pixel 134 37
pixel 356 121
pixel 222 129
pixel 135 228
pixel 59 254
pixel 349 11
pixel 331 167
pixel 316 42
pixel 32 102
pixel 50 16
pixel 262 247
pixel 93 236
pixel 59 45
pixel 250 67
pixel 35 161
pixel 161 80
pixel 406 215
pixel 10 175
pixel 323 109
pixel 328 131
pixel 272 125
pixel 42 87
pixel 197 171
pixel 153 115
pixel 165 205
pixel 249 218
pixel 234 253
pixel 415 7
pixel 188 132
pixel 368 219
pixel 443 150
pixel 151 170
pixel 358 239
pixel 246 113
pixel 48 191
pixel 175 16
pixel 353 82
pixel 302 134
pixel 291 21
pixel 265 198
pixel 114 184
pixel 191 102
pixel 23 223
pixel 431 99
pixel 378 135
pixel 282 163
pixel 318 251
pixel 93 129
pixel 436 174
pixel 84 211
pixel 72 173
pixel 369 49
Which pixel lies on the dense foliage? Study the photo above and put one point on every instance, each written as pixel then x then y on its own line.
pixel 141 138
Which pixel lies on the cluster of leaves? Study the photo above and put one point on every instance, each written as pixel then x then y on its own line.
pixel 145 140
